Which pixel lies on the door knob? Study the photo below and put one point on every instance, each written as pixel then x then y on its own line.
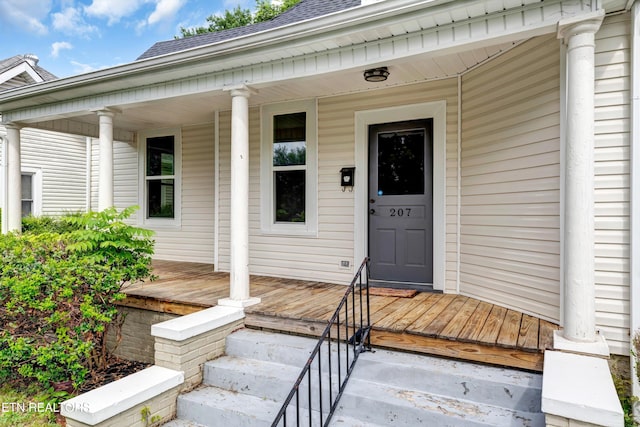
pixel 372 211
pixel 372 200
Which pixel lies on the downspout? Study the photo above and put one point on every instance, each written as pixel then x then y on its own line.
pixel 635 196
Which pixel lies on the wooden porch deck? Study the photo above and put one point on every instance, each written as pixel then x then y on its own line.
pixel 439 324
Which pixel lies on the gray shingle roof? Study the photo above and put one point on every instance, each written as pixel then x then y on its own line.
pixel 14 61
pixel 306 9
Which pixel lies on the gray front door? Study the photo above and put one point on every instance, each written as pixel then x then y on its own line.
pixel 400 203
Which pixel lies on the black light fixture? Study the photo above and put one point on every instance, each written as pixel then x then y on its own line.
pixel 379 74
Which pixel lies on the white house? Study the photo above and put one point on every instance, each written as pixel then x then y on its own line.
pixel 54 165
pixel 491 140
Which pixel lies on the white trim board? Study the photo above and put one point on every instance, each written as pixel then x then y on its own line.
pixel 435 110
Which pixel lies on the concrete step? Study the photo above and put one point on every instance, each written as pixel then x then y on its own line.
pixel 248 386
pixel 182 423
pixel 254 377
pixel 389 405
pixel 270 347
pixel 212 406
pixel 495 386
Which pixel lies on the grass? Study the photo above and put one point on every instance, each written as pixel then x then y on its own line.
pixel 26 408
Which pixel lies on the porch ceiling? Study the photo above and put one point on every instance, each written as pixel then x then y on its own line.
pixel 200 107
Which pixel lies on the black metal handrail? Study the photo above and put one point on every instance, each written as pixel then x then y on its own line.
pixel 355 323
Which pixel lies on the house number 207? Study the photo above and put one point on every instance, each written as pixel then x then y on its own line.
pixel 400 211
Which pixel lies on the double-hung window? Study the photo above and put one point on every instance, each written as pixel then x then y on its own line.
pixel 27 194
pixel 31 187
pixel 160 178
pixel 289 171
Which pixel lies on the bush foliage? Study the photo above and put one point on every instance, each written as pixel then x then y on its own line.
pixel 59 282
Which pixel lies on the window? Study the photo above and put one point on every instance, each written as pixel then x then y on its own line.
pixel 31 187
pixel 289 173
pixel 27 194
pixel 160 180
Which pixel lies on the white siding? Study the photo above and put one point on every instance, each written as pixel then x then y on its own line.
pixel 318 258
pixel 193 240
pixel 125 175
pixel 612 181
pixel 62 160
pixel 510 187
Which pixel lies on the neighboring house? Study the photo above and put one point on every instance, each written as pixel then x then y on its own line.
pixel 54 165
pixel 492 148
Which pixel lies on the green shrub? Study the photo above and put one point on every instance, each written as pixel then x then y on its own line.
pixel 58 292
pixel 48 224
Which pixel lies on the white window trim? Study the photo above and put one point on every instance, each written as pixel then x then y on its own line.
pixel 36 182
pixel 142 187
pixel 267 220
pixel 437 111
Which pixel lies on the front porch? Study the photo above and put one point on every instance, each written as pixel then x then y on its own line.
pixel 446 325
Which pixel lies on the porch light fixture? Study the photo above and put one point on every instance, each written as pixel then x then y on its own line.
pixel 375 75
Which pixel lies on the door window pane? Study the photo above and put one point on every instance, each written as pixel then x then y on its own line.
pixel 161 198
pixel 290 195
pixel 160 156
pixel 401 162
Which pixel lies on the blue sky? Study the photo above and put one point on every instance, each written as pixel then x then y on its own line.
pixel 78 36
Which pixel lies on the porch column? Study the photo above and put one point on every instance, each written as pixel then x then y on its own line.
pixel 578 233
pixel 239 280
pixel 105 179
pixel 14 179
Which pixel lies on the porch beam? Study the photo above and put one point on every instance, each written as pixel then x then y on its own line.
pixel 578 34
pixel 239 278
pixel 216 69
pixel 105 166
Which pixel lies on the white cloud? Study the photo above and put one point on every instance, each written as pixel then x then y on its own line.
pixel 80 68
pixel 165 9
pixel 71 22
pixel 113 10
pixel 58 46
pixel 26 14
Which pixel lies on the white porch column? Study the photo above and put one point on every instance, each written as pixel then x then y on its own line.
pixel 239 280
pixel 578 231
pixel 105 178
pixel 14 179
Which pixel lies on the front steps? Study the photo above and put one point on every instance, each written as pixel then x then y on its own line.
pixel 248 385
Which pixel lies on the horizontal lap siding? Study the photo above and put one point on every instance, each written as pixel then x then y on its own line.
pixel 510 180
pixel 612 181
pixel 318 258
pixel 62 160
pixel 193 240
pixel 125 175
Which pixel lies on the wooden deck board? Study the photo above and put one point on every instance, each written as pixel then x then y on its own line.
pixel 438 306
pixel 510 330
pixel 475 324
pixel 439 324
pixel 435 328
pixel 528 337
pixel 491 329
pixel 453 328
pixel 402 313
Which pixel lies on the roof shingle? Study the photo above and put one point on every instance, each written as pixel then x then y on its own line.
pixel 305 10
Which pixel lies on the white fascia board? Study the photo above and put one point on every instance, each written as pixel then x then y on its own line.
pixel 20 69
